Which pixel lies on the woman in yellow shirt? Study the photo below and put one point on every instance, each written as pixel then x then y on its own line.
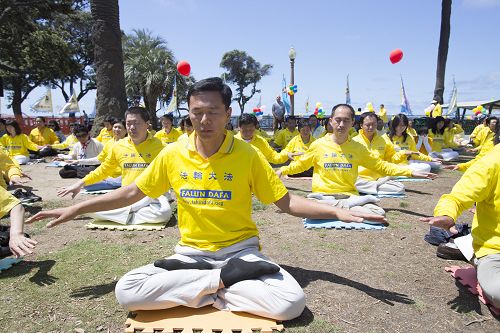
pixel 403 142
pixel 17 143
pixel 298 146
pixel 439 137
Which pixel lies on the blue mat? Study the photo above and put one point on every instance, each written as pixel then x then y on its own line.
pixel 335 224
pixel 407 179
pixel 7 263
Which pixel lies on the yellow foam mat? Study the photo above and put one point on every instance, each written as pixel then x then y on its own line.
pixel 102 225
pixel 203 320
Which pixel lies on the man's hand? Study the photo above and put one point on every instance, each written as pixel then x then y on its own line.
pixel 19 181
pixel 443 222
pixel 345 215
pixel 450 167
pixel 426 175
pixel 73 189
pixel 279 173
pixel 291 155
pixel 20 245
pixel 61 215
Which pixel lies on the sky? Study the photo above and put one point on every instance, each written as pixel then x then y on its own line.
pixel 332 39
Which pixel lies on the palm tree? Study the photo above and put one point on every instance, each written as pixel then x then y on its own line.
pixel 111 97
pixel 444 39
pixel 150 68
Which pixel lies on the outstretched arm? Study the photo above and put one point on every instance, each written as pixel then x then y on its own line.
pixel 19 244
pixel 121 197
pixel 302 207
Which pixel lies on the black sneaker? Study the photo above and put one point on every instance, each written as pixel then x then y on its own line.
pixel 32 197
pixel 449 251
pixel 18 193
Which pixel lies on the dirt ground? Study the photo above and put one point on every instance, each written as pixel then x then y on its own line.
pixel 355 281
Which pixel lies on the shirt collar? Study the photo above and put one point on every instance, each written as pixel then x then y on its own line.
pixel 225 148
pixel 149 137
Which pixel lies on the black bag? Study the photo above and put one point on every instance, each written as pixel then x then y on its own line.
pixel 4 241
pixel 76 171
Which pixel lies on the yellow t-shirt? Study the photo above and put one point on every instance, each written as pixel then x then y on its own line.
pixel 7 202
pixel 476 130
pixel 214 194
pixel 131 159
pixel 336 166
pixel 437 141
pixel 17 145
pixel 401 145
pixel 264 134
pixel 380 149
pixel 297 145
pixel 8 168
pixel 484 135
pixel 412 132
pixel 105 135
pixel 70 141
pixel 480 184
pixel 105 152
pixel 44 137
pixel 485 149
pixel 284 136
pixel 167 138
pixel 271 155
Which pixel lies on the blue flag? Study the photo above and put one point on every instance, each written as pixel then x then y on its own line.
pixel 284 95
pixel 405 104
pixel 347 93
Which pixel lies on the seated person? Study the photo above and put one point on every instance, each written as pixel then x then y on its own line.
pixel 452 134
pixel 411 131
pixel 316 128
pixel 106 133
pixel 248 133
pixel 282 137
pixel 132 155
pixel 114 180
pixel 19 244
pixel 263 133
pixel 482 124
pixel 486 134
pixel 17 143
pixel 82 158
pixel 218 260
pixel 336 159
pixel 480 184
pixel 298 146
pixel 187 127
pixel 168 134
pixel 403 142
pixel 439 137
pixel 2 127
pixel 10 172
pixel 54 125
pixel 230 127
pixel 370 181
pixel 70 140
pixel 43 136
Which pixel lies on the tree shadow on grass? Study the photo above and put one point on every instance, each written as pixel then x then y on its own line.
pixel 41 277
pixel 93 292
pixel 305 276
pixel 406 211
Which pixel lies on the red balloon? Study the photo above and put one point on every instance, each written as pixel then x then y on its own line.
pixel 184 67
pixel 396 56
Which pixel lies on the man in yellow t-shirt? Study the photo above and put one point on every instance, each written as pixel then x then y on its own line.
pixel 132 155
pixel 217 261
pixel 106 133
pixel 284 136
pixel 19 244
pixel 480 184
pixel 336 159
pixel 168 134
pixel 41 135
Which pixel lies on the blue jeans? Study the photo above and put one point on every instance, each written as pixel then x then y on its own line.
pixel 106 184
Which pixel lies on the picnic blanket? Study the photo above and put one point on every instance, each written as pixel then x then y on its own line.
pixel 7 263
pixel 336 224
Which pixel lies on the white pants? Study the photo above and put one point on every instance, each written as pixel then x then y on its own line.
pixel 419 166
pixel 433 165
pixel 21 159
pixel 360 203
pixel 146 210
pixel 276 296
pixel 488 276
pixel 382 185
pixel 446 154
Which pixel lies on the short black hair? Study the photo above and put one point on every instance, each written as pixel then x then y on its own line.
pixel 41 118
pixel 247 119
pixel 79 129
pixel 2 121
pixel 313 116
pixel 109 119
pixel 139 110
pixel 168 116
pixel 488 121
pixel 353 114
pixel 423 131
pixel 212 84
pixel 55 124
pixel 303 124
pixel 368 114
pixel 434 123
pixel 14 124
pixel 119 120
pixel 290 118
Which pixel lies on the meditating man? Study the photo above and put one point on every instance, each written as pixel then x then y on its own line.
pixel 217 261
pixel 336 159
pixel 282 137
pixel 132 155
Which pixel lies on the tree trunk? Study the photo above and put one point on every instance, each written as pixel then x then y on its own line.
pixel 110 80
pixel 150 104
pixel 17 98
pixel 444 39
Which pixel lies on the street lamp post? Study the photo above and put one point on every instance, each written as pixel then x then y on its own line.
pixel 291 55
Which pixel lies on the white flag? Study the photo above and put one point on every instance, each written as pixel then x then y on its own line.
pixel 71 106
pixel 452 105
pixel 172 104
pixel 44 104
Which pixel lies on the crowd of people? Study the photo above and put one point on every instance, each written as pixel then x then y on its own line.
pixel 214 170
